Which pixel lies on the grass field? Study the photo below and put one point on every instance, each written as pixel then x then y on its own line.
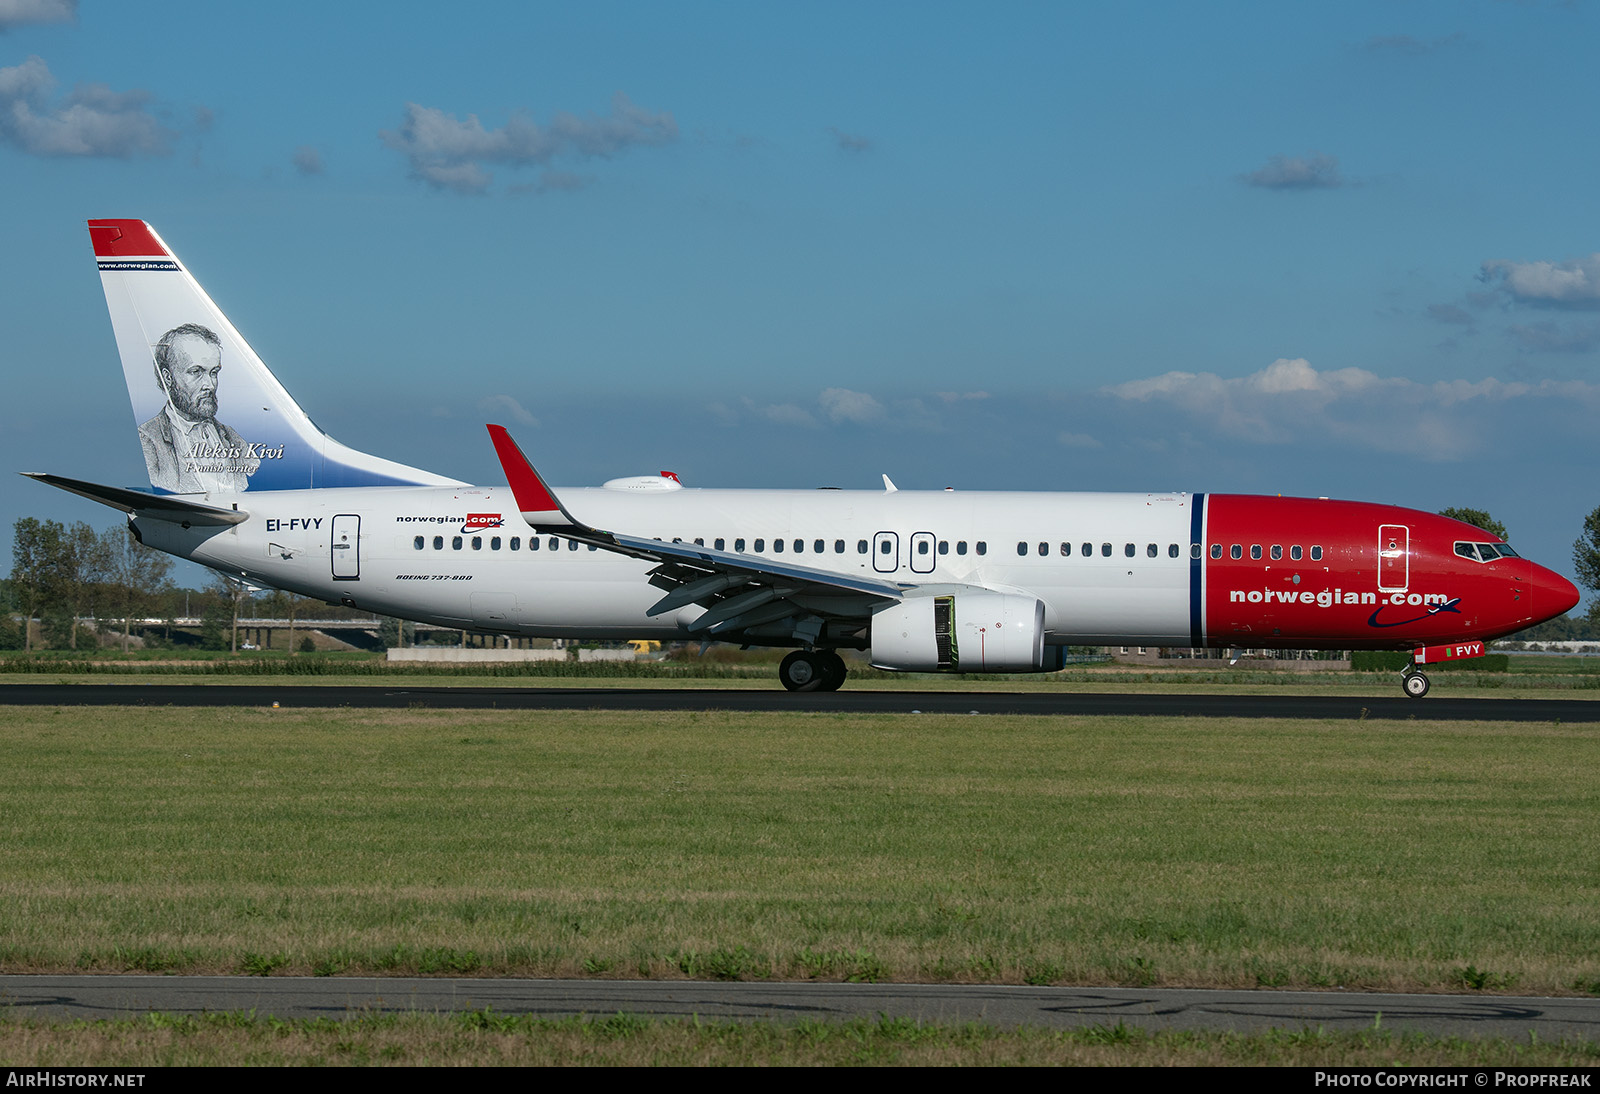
pixel 1203 852
pixel 160 1040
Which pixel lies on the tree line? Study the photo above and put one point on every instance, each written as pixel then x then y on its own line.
pixel 64 574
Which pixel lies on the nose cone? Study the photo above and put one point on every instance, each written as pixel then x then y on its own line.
pixel 1553 594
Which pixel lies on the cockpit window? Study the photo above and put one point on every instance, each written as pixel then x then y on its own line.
pixel 1485 552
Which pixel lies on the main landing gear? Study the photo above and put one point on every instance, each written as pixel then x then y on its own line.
pixel 812 670
pixel 1414 681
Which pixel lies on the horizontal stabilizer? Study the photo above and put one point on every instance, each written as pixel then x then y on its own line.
pixel 168 507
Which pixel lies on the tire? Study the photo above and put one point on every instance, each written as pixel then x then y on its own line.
pixel 802 670
pixel 1415 684
pixel 834 670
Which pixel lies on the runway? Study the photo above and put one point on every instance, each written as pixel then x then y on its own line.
pixel 774 699
pixel 104 997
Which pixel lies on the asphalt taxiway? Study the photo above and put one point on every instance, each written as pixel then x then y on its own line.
pixel 775 700
pixel 102 997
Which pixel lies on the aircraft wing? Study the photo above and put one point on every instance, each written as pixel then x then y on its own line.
pixel 741 593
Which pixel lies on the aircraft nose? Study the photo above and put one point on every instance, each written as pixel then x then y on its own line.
pixel 1553 594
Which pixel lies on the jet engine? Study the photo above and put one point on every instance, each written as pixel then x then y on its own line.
pixel 963 632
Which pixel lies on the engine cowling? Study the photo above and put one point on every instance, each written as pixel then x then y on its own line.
pixel 963 632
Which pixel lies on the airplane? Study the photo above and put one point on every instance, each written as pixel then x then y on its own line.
pixel 242 481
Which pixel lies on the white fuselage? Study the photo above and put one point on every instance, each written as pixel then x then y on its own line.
pixel 436 554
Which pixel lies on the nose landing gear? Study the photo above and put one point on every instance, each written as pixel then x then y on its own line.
pixel 812 670
pixel 1414 682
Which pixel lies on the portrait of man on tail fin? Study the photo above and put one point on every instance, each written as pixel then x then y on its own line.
pixel 186 449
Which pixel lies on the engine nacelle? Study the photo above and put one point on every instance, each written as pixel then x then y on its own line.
pixel 964 632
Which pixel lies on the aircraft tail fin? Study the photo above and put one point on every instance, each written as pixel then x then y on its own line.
pixel 211 416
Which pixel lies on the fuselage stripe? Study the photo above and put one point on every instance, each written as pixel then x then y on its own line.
pixel 1197 528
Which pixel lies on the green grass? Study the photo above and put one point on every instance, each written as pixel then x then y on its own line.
pixel 1401 856
pixel 486 1037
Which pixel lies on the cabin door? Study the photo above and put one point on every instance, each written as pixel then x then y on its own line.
pixel 346 547
pixel 1394 558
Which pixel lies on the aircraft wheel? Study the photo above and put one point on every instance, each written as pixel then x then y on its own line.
pixel 803 670
pixel 834 670
pixel 1415 684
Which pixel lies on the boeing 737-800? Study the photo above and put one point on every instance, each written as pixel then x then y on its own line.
pixel 242 481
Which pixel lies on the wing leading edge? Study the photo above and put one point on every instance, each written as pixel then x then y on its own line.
pixel 745 596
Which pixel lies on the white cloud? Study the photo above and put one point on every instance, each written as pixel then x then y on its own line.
pixel 850 142
pixel 92 120
pixel 1290 402
pixel 307 160
pixel 505 404
pixel 959 396
pixel 1571 284
pixel 843 405
pixel 1550 337
pixel 450 154
pixel 1314 171
pixel 18 13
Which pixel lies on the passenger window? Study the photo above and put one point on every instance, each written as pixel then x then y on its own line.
pixel 777 547
pixel 944 546
pixel 1316 554
pixel 1277 552
pixel 1294 552
pixel 922 546
pixel 838 546
pixel 417 543
pixel 861 546
pixel 1022 549
pixel 1216 550
pixel 1151 550
pixel 760 546
pixel 738 545
pixel 1088 550
pixel 494 543
pixel 1105 550
pixel 1194 550
pixel 719 544
pixel 799 546
pixel 1172 550
pixel 592 547
pixel 1128 549
pixel 572 545
pixel 438 543
pixel 961 546
pixel 477 543
pixel 886 548
pixel 533 543
pixel 455 543
pixel 981 547
pixel 1044 549
pixel 1236 551
pixel 1255 550
pixel 1066 550
pixel 699 541
pixel 818 546
pixel 516 543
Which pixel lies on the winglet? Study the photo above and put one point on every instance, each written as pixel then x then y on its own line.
pixel 538 504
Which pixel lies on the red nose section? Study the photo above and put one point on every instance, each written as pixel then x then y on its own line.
pixel 1553 594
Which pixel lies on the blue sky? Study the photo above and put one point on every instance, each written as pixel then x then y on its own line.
pixel 1345 250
